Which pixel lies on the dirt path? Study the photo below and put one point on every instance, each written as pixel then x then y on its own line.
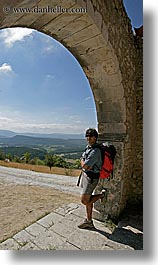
pixel 26 196
pixel 21 176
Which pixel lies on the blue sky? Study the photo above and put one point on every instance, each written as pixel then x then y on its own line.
pixel 42 86
pixel 134 9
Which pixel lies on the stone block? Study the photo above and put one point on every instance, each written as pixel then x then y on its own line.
pixel 84 35
pixel 66 209
pixel 23 237
pixel 117 246
pixel 9 244
pixel 90 45
pixel 30 246
pixel 50 220
pixel 64 229
pixel 87 239
pixel 49 241
pixel 35 229
pixel 67 246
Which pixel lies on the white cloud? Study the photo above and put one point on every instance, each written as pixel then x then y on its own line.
pixel 48 49
pixel 11 35
pixel 50 45
pixel 88 98
pixel 50 77
pixel 18 121
pixel 6 122
pixel 6 68
pixel 73 118
pixel 13 121
pixel 19 126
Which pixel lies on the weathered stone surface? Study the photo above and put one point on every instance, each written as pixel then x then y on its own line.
pixel 23 237
pixel 67 209
pixel 49 240
pixel 116 246
pixel 30 246
pixel 35 229
pixel 49 220
pixel 9 244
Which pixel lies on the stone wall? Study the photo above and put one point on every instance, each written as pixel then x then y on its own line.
pixel 128 175
pixel 136 194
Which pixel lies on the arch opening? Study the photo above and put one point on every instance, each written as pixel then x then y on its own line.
pixel 44 75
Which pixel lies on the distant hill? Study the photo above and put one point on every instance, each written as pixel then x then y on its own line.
pixel 20 151
pixel 7 133
pixel 21 140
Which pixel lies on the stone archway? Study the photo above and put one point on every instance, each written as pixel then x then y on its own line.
pixel 99 35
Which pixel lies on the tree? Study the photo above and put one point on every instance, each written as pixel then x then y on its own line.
pixel 60 162
pixel 17 159
pixel 9 156
pixel 27 156
pixel 77 164
pixel 49 160
pixel 2 155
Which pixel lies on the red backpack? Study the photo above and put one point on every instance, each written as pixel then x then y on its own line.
pixel 108 155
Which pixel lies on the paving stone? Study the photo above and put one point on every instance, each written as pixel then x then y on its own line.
pixel 61 232
pixel 117 246
pixel 87 239
pixel 30 246
pixel 64 229
pixel 50 220
pixel 23 237
pixel 49 241
pixel 67 246
pixel 9 244
pixel 102 228
pixel 67 209
pixel 127 238
pixel 80 211
pixel 107 248
pixel 36 229
pixel 72 220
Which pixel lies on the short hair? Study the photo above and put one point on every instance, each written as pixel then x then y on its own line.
pixel 91 132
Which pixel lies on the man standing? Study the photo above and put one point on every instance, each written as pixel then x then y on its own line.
pixel 91 162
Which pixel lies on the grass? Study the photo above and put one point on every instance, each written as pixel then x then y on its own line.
pixel 110 224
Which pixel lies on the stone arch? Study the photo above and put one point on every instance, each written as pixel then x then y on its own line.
pixel 101 39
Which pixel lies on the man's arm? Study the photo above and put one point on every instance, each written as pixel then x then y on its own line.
pixel 91 160
pixel 84 166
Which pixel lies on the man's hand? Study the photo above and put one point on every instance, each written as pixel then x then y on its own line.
pixel 84 166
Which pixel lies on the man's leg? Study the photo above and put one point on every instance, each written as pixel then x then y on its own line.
pixel 89 209
pixel 88 201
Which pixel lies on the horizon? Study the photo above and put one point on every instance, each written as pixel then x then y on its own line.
pixel 11 131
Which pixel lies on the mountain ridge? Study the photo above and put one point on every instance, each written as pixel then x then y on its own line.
pixel 23 140
pixel 8 134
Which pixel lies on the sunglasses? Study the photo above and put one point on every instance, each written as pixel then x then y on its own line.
pixel 89 135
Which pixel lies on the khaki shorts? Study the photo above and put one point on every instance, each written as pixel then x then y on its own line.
pixel 87 184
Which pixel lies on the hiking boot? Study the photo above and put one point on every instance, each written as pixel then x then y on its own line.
pixel 103 199
pixel 86 224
